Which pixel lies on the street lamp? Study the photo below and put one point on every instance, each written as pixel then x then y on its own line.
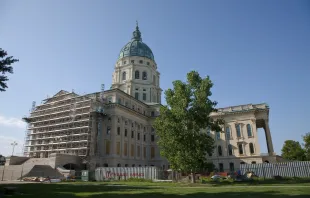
pixel 13 144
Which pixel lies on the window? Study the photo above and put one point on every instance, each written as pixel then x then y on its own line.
pixel 125 133
pixel 154 79
pixel 133 165
pixel 251 148
pixel 218 135
pixel 137 95
pixel 118 165
pixel 208 131
pixel 144 75
pixel 152 114
pixel 126 122
pixel 141 61
pixel 253 162
pixel 152 152
pixel 144 138
pixel 132 61
pixel 227 133
pixel 144 96
pixel 138 151
pixel 137 74
pixel 231 166
pixel 152 138
pixel 109 119
pixel 133 106
pixel 124 62
pixel 125 148
pixel 219 150
pixel 118 130
pixel 119 101
pixel 138 136
pixel 118 120
pixel 118 148
pixel 240 149
pixel 221 167
pixel 132 150
pixel 148 63
pixel 126 165
pixel 132 134
pixel 124 76
pixel 242 162
pixel 238 130
pixel 107 147
pixel 249 130
pixel 108 130
pixel 230 149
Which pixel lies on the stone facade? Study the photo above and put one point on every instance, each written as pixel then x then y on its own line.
pixel 114 127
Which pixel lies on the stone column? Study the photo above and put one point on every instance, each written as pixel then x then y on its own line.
pixel 268 138
pixel 113 135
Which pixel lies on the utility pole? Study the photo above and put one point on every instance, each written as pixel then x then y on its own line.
pixel 13 144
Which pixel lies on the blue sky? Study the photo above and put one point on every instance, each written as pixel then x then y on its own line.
pixel 254 51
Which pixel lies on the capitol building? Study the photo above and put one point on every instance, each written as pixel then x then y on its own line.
pixel 113 128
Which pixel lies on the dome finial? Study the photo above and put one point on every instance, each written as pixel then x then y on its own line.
pixel 136 35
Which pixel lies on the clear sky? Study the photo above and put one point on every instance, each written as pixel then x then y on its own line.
pixel 254 51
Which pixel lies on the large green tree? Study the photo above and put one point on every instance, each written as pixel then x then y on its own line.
pixel 306 139
pixel 292 150
pixel 5 67
pixel 181 122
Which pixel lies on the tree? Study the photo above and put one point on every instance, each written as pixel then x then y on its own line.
pixel 5 66
pixel 306 139
pixel 181 122
pixel 292 150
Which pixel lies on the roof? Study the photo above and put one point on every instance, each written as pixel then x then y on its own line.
pixel 136 47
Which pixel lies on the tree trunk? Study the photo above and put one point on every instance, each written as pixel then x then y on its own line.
pixel 192 177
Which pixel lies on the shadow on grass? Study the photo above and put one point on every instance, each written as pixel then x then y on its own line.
pixel 261 182
pixel 118 191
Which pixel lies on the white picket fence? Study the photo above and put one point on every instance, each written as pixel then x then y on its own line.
pixel 121 173
pixel 284 169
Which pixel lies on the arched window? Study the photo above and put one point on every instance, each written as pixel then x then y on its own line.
pixel 219 150
pixel 124 76
pixel 230 149
pixel 240 149
pixel 251 148
pixel 248 126
pixel 218 135
pixel 105 165
pixel 227 133
pixel 118 165
pixel 137 74
pixel 238 129
pixel 266 161
pixel 253 162
pixel 144 75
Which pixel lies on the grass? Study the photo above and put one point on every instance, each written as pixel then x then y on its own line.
pixel 157 190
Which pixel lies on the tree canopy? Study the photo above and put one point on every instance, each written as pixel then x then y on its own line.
pixel 5 67
pixel 180 123
pixel 306 139
pixel 292 150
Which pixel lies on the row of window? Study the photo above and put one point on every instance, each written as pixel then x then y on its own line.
pixel 137 76
pixel 133 61
pixel 231 166
pixel 132 133
pixel 231 150
pixel 228 132
pixel 133 152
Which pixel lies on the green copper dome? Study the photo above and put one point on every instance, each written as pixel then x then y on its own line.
pixel 136 47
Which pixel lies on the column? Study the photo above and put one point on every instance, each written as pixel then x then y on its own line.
pixel 268 138
pixel 113 135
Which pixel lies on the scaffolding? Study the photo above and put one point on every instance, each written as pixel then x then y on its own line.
pixel 59 125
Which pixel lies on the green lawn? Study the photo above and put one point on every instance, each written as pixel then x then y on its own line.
pixel 152 190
